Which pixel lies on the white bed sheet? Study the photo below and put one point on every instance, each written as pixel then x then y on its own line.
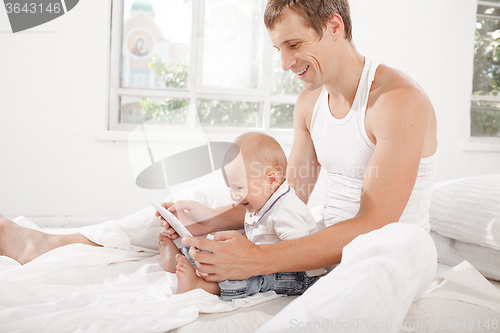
pixel 80 288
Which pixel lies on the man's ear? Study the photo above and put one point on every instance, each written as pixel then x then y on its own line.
pixel 335 27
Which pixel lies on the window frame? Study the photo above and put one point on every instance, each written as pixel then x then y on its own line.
pixel 475 141
pixel 195 91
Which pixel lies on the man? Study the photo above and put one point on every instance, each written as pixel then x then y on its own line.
pixel 353 115
pixel 394 141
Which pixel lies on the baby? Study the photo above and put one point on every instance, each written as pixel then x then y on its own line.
pixel 254 170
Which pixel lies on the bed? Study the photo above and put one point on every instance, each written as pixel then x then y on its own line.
pixel 79 288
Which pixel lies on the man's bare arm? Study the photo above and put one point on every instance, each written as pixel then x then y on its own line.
pixel 227 218
pixel 400 130
pixel 303 167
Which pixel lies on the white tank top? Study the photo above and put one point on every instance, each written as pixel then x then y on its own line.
pixel 344 149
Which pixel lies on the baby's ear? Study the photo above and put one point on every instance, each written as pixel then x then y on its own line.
pixel 272 177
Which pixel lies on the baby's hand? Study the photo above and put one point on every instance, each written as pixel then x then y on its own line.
pixel 168 231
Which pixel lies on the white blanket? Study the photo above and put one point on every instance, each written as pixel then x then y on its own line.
pixel 80 288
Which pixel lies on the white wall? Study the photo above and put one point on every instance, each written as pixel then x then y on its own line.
pixel 53 98
pixel 432 41
pixel 54 91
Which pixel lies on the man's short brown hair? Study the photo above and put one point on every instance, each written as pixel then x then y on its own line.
pixel 314 12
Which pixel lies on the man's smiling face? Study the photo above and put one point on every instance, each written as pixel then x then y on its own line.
pixel 303 51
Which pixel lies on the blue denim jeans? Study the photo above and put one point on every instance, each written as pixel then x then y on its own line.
pixel 185 251
pixel 291 284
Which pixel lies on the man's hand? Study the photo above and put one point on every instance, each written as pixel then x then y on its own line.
pixel 191 213
pixel 232 257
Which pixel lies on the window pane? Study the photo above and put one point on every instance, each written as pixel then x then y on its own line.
pixel 156 43
pixel 231 45
pixel 489 10
pixel 282 115
pixel 485 119
pixel 487 57
pixel 137 110
pixel 284 82
pixel 228 113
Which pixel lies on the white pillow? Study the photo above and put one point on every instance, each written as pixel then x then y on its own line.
pixel 468 210
pixel 452 252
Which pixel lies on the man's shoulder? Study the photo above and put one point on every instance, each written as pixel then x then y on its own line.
pixel 395 98
pixel 304 107
pixel 307 99
pixel 394 91
pixel 309 96
pixel 391 84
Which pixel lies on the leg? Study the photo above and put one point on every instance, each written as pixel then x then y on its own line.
pixel 291 283
pixel 137 232
pixel 188 280
pixel 288 283
pixel 24 244
pixel 380 275
pixel 168 251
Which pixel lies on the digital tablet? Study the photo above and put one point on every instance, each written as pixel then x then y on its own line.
pixel 172 220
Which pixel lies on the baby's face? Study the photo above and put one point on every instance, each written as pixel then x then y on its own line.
pixel 250 191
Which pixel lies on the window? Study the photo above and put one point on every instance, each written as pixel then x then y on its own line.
pixel 485 108
pixel 209 59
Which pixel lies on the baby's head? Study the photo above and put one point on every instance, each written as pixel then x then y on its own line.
pixel 254 168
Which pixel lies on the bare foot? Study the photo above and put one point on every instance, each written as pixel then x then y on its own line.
pixel 168 250
pixel 24 245
pixel 188 280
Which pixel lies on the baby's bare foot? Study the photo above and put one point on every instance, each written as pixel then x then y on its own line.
pixel 168 250
pixel 188 280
